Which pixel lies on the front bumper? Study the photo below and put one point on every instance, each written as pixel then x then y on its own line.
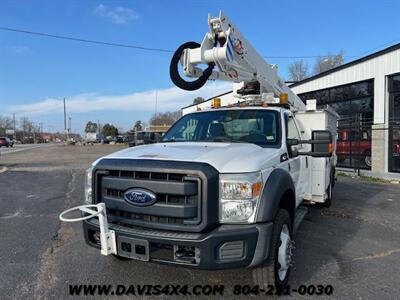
pixel 227 246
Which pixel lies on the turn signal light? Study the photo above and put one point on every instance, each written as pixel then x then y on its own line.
pixel 256 189
pixel 330 148
pixel 283 98
pixel 216 103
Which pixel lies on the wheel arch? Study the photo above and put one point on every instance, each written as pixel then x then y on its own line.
pixel 279 192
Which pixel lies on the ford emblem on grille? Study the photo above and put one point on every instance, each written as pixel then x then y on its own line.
pixel 140 197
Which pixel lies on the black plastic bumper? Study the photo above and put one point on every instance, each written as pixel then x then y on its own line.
pixel 227 246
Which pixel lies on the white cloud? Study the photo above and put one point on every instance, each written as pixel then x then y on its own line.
pixel 167 100
pixel 20 49
pixel 116 14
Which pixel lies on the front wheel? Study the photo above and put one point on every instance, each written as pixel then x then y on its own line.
pixel 367 159
pixel 279 263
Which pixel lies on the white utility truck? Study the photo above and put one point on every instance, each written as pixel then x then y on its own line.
pixel 223 188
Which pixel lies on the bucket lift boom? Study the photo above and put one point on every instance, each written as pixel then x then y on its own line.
pixel 229 57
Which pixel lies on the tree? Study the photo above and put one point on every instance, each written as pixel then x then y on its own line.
pixel 5 123
pixel 138 126
pixel 28 130
pixel 91 127
pixel 198 100
pixel 166 118
pixel 109 130
pixel 298 70
pixel 329 62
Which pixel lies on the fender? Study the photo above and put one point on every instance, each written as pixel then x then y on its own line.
pixel 278 183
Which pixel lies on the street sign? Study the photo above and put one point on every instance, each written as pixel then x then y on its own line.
pixel 10 131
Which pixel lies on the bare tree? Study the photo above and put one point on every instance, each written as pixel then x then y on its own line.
pixel 298 70
pixel 28 130
pixel 5 123
pixel 329 62
pixel 198 100
pixel 166 118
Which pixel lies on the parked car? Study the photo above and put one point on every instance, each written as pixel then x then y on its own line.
pixel 358 145
pixel 355 144
pixel 145 137
pixel 120 139
pixel 6 142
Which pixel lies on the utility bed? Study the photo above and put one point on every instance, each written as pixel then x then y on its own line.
pixel 321 170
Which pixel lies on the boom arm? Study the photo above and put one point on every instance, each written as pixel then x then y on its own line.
pixel 230 57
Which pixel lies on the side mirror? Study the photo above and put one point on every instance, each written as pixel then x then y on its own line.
pixel 292 142
pixel 293 152
pixel 321 144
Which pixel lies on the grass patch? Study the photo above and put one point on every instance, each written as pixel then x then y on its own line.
pixel 366 178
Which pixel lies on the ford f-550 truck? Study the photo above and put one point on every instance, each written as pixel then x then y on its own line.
pixel 224 186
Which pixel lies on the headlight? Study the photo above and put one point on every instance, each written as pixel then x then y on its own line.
pixel 239 197
pixel 88 186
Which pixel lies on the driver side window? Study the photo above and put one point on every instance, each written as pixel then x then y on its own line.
pixel 292 131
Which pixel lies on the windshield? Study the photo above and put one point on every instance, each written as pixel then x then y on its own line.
pixel 260 127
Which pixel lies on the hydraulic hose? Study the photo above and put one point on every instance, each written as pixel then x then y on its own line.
pixel 176 77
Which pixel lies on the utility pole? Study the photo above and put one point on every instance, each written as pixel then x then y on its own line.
pixel 65 121
pixel 155 110
pixel 41 132
pixel 98 126
pixel 155 107
pixel 34 133
pixel 15 130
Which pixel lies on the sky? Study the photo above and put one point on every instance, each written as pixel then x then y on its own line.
pixel 119 85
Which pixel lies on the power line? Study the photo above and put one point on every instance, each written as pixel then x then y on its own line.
pixel 391 42
pixel 306 56
pixel 63 37
pixel 76 39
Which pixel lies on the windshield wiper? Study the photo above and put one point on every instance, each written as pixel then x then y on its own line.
pixel 225 140
pixel 171 140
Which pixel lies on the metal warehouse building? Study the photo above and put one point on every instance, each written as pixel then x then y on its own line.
pixel 366 95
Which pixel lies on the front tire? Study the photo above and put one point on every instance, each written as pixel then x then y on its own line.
pixel 368 159
pixel 277 268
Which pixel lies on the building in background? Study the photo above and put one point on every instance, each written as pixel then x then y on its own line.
pixel 366 95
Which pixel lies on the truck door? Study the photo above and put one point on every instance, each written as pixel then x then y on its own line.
pixel 296 164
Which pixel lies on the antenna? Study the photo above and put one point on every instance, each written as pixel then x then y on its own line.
pixel 155 110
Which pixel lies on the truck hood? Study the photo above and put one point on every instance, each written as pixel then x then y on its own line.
pixel 225 157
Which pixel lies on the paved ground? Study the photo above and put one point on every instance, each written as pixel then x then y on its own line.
pixel 353 246
pixel 19 148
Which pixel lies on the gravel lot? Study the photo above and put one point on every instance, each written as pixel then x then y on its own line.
pixel 353 246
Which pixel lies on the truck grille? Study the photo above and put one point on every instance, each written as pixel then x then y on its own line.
pixel 186 194
pixel 178 195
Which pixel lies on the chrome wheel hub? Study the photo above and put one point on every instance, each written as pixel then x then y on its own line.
pixel 285 252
